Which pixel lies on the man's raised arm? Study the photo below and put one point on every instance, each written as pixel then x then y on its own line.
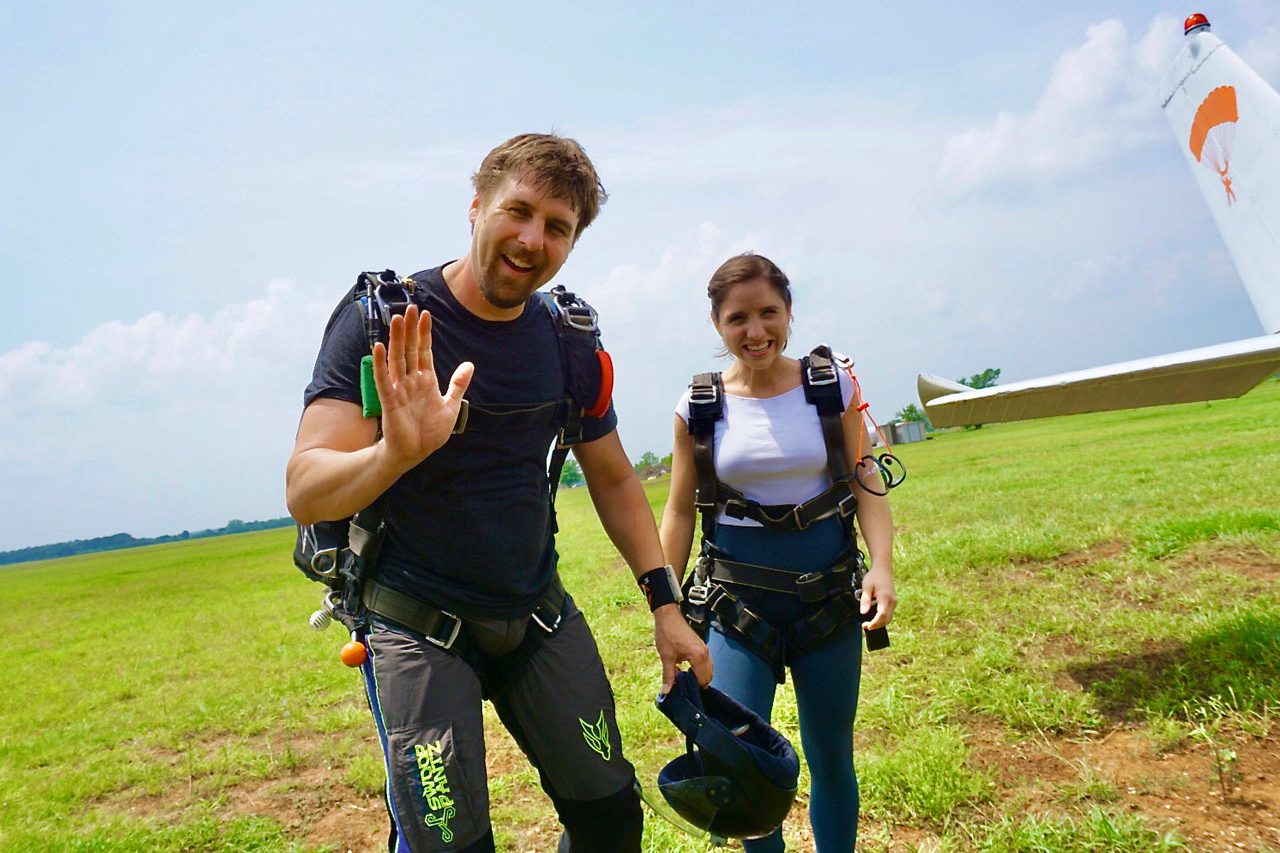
pixel 339 466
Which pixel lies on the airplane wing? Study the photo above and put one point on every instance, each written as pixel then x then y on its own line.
pixel 1227 121
pixel 1208 373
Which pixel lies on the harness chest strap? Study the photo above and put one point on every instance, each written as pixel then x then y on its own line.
pixel 839 499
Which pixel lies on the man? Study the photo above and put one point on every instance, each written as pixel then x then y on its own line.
pixel 469 527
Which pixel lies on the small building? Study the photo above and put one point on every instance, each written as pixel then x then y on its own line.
pixel 904 432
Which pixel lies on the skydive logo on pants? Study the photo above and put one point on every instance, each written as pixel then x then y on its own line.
pixel 435 788
pixel 597 736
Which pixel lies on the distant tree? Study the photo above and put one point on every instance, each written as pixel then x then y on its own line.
pixel 651 466
pixel 571 474
pixel 648 459
pixel 985 379
pixel 913 412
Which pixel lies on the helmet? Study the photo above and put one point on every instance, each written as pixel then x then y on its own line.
pixel 738 777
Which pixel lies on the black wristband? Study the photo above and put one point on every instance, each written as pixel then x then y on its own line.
pixel 660 587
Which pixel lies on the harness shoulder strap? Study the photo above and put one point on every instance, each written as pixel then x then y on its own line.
pixel 588 374
pixel 822 390
pixel 706 406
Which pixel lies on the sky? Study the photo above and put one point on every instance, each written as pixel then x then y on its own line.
pixel 186 190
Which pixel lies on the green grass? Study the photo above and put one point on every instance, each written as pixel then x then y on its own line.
pixel 1056 578
pixel 1099 831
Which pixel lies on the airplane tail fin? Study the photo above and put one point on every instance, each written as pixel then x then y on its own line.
pixel 1227 122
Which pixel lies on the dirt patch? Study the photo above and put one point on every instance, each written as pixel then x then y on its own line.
pixel 1214 807
pixel 1248 561
pixel 302 790
pixel 1107 550
pixel 308 794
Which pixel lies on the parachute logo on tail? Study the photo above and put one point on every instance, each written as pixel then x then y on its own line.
pixel 1212 132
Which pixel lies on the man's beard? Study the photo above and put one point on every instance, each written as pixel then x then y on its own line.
pixel 504 297
pixel 505 291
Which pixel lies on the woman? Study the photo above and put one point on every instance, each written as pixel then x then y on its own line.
pixel 772 453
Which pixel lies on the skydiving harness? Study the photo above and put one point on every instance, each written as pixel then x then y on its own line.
pixel 341 554
pixel 834 593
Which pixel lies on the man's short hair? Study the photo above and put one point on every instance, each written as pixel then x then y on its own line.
pixel 554 163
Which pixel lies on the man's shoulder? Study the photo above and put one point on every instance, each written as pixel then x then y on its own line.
pixel 430 277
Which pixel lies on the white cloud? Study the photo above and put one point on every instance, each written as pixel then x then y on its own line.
pixel 156 425
pixel 1096 107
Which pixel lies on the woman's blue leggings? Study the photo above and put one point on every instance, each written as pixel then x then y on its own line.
pixel 825 680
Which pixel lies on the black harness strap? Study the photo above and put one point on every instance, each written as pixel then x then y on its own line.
pixel 837 500
pixel 761 637
pixel 706 406
pixel 578 335
pixel 822 390
pixel 512 417
pixel 810 588
pixel 449 631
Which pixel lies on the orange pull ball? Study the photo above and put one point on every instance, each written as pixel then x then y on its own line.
pixel 354 653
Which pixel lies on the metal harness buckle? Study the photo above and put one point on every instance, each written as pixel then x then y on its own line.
pixel 389 305
pixel 550 629
pixel 703 394
pixel 581 316
pixel 799 514
pixel 821 375
pixel 698 595
pixel 453 632
pixel 805 587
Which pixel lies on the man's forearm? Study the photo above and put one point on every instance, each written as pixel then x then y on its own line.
pixel 628 520
pixel 324 484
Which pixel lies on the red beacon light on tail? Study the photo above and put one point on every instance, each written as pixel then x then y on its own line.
pixel 1194 23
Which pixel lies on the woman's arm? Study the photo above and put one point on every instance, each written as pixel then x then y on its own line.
pixel 679 515
pixel 874 520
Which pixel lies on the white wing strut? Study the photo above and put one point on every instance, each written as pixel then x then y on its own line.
pixel 1208 373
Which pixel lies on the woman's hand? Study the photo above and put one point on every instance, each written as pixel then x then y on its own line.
pixel 877 586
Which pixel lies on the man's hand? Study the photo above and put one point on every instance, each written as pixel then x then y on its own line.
pixel 677 644
pixel 877 586
pixel 416 418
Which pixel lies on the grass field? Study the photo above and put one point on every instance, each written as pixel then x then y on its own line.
pixel 1086 656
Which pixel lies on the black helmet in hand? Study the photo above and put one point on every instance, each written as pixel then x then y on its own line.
pixel 738 777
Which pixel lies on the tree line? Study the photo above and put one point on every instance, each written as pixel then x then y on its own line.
pixel 117 541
